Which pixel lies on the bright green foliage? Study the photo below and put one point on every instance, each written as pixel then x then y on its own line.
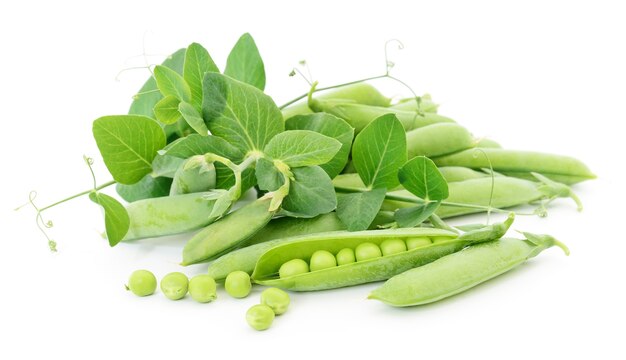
pixel 298 148
pixel 166 110
pixel 311 193
pixel 197 63
pixel 245 64
pixel 358 210
pixel 171 83
pixel 116 220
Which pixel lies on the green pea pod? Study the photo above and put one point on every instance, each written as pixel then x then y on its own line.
pixel 521 164
pixel 442 243
pixel 359 116
pixel 361 93
pixel 460 173
pixel 169 215
pixel 461 271
pixel 196 179
pixel 409 104
pixel 280 231
pixel 488 143
pixel 438 139
pixel 227 233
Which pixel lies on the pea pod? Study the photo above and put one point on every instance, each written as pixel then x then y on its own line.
pixel 488 143
pixel 280 231
pixel 461 271
pixel 559 168
pixel 227 233
pixel 460 173
pixel 441 243
pixel 169 215
pixel 361 93
pixel 438 139
pixel 196 179
pixel 409 104
pixel 359 116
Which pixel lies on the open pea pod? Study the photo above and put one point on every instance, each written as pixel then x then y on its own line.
pixel 435 243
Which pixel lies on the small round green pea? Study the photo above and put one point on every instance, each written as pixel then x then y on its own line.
pixel 142 283
pixel 392 246
pixel 260 317
pixel 322 259
pixel 238 284
pixel 202 288
pixel 277 299
pixel 293 267
pixel 417 242
pixel 367 251
pixel 175 285
pixel 345 256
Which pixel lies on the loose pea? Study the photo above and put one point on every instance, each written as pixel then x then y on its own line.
pixel 293 267
pixel 413 243
pixel 238 284
pixel 275 298
pixel 174 285
pixel 366 251
pixel 260 317
pixel 142 283
pixel 322 259
pixel 345 256
pixel 202 288
pixel 392 246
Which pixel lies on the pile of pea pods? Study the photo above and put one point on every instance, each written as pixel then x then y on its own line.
pixel 351 187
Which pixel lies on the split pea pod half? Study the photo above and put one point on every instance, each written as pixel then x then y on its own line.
pixel 280 231
pixel 461 271
pixel 361 93
pixel 227 233
pixel 169 215
pixel 359 116
pixel 438 139
pixel 564 169
pixel 423 245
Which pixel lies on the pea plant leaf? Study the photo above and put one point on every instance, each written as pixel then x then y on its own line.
pixel 415 215
pixel 197 63
pixel 164 165
pixel 147 188
pixel 241 114
pixel 298 148
pixel 330 126
pixel 193 118
pixel 196 144
pixel 244 63
pixel 358 210
pixel 116 219
pixel 128 144
pixel 421 177
pixel 379 151
pixel 311 193
pixel 267 175
pixel 148 96
pixel 166 110
pixel 171 83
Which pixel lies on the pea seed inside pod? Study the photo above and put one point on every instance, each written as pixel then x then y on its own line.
pixel 392 246
pixel 436 239
pixel 345 256
pixel 367 251
pixel 322 259
pixel 414 243
pixel 293 267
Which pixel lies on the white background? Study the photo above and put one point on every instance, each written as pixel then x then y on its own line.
pixel 543 75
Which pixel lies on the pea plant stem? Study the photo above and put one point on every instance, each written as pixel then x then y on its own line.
pixel 86 192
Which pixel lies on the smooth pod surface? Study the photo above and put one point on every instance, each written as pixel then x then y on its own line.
pixel 438 139
pixel 460 173
pixel 458 272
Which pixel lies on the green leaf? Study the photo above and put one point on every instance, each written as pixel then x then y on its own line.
pixel 170 83
pixel 331 126
pixel 193 118
pixel 310 194
pixel 421 177
pixel 147 188
pixel 148 96
pixel 195 144
pixel 241 114
pixel 379 151
pixel 197 63
pixel 298 148
pixel 267 176
pixel 116 219
pixel 244 63
pixel 166 110
pixel 413 216
pixel 128 144
pixel 165 165
pixel 358 210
